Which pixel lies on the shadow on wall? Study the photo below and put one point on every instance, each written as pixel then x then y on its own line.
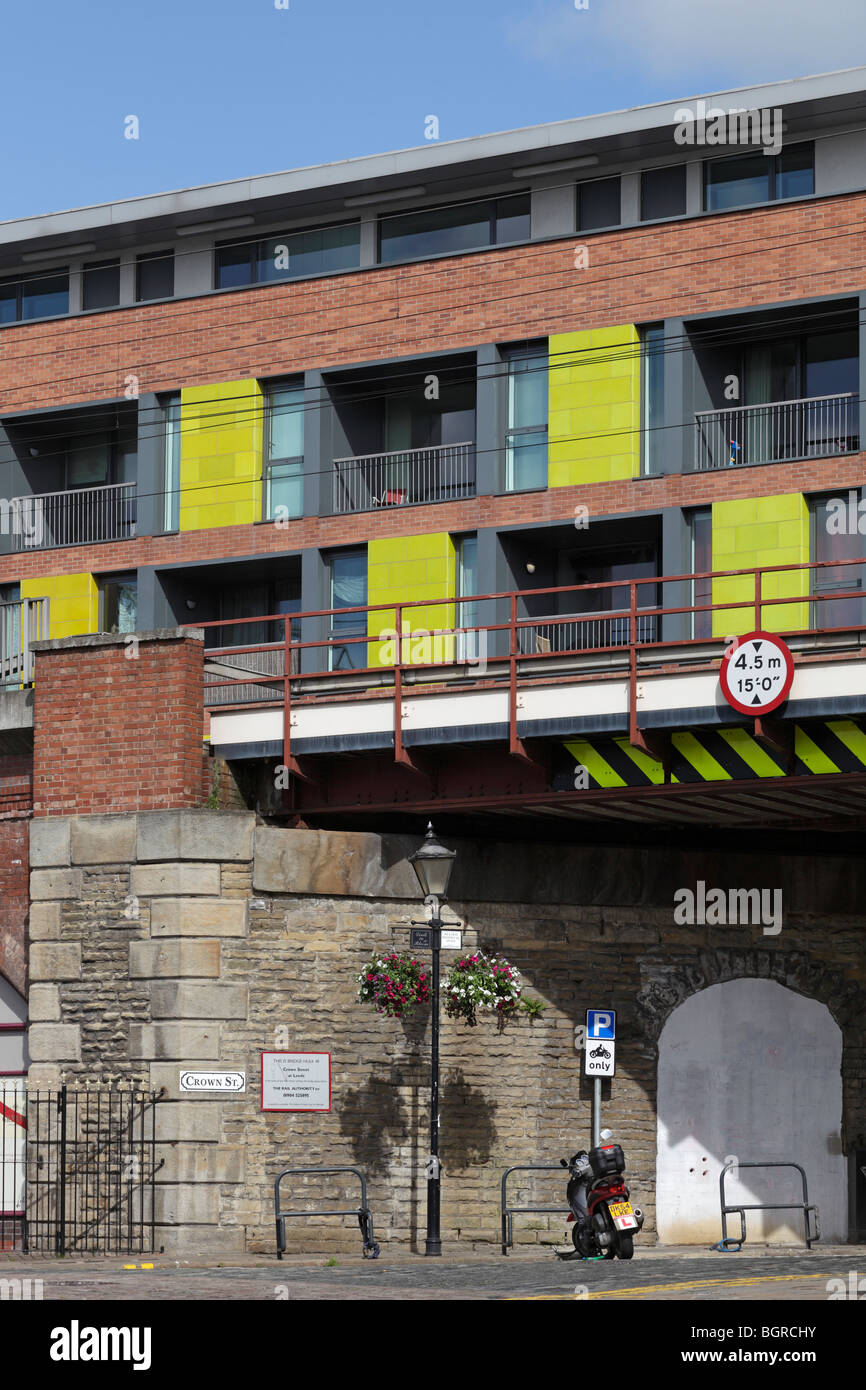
pixel 468 1130
pixel 373 1117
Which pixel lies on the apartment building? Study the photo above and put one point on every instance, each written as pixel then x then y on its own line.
pixel 468 460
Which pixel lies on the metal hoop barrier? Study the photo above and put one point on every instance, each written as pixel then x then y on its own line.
pixel 727 1243
pixel 507 1213
pixel 362 1212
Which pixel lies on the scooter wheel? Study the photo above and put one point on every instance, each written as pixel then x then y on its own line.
pixel 625 1248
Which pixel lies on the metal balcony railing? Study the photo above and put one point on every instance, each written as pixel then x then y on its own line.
pixel 21 624
pixel 404 478
pixel 816 427
pixel 589 632
pixel 80 516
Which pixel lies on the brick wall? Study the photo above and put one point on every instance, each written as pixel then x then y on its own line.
pixel 634 275
pixel 118 725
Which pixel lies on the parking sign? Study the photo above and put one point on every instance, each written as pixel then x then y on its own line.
pixel 601 1023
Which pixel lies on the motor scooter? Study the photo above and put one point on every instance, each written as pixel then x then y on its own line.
pixel 603 1220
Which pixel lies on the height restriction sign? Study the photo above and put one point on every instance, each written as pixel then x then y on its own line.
pixel 757 672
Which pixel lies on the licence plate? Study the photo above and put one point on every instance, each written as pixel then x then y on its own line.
pixel 619 1209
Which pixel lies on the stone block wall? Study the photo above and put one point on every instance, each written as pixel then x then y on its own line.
pixel 197 939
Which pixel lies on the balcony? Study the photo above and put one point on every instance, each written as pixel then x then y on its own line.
pixel 21 624
pixel 815 427
pixel 81 516
pixel 404 478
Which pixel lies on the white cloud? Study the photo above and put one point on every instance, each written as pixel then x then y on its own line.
pixel 742 41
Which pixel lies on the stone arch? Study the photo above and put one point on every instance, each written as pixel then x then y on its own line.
pixel 668 982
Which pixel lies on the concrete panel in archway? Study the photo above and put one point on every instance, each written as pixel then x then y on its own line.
pixel 750 1069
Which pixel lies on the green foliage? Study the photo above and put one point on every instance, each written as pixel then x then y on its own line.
pixel 533 1008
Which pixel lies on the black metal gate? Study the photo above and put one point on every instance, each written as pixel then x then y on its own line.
pixel 77 1170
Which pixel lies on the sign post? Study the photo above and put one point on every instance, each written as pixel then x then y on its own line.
pixel 599 1059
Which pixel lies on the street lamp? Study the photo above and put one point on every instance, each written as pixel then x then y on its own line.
pixel 433 864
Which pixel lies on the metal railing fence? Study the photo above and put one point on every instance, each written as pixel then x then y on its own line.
pixel 404 477
pixel 814 427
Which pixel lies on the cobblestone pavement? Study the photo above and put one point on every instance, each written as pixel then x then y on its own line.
pixel 703 1277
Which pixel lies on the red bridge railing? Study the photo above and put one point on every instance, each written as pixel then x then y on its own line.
pixel 600 631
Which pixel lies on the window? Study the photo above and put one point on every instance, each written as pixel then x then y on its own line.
pixel 653 397
pixel 440 231
pixel 284 476
pixel 290 256
pixel 34 297
pixel 526 437
pixel 700 522
pixel 118 596
pixel 154 275
pixel 348 589
pixel 10 636
pixel 466 551
pixel 101 285
pixel 810 385
pixel 598 204
pixel 171 465
pixel 741 179
pixel 13 1062
pixel 89 461
pixel 251 600
pixel 663 192
pixel 834 538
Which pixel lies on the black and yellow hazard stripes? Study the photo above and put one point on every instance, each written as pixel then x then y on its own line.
pixel 722 755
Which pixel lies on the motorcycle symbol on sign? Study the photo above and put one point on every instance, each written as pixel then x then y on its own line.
pixel 600 1051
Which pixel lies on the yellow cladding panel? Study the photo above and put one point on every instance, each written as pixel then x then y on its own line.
pixel 594 406
pixel 410 568
pixel 221 448
pixel 761 531
pixel 73 602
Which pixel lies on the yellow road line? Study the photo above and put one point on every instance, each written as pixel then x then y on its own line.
pixel 671 1288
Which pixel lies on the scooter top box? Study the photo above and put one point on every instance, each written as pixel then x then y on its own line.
pixel 607 1160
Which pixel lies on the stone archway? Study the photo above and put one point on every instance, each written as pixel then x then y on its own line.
pixel 748 1068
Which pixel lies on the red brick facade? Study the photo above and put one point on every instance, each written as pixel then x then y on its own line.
pixel 639 274
pixel 767 255
pixel 117 732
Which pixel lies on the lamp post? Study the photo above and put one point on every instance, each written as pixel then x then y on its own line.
pixel 433 864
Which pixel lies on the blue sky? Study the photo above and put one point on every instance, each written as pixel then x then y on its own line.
pixel 226 88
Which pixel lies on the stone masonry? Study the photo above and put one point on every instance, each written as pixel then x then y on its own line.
pixel 197 939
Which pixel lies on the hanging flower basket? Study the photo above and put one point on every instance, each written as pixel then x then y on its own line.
pixel 482 982
pixel 394 985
